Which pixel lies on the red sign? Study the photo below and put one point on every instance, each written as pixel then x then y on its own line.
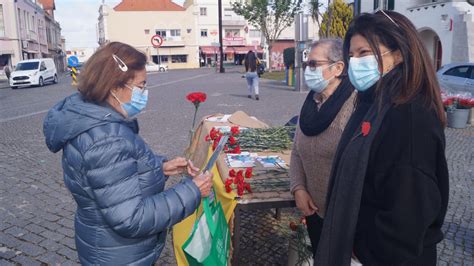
pixel 156 41
pixel 231 41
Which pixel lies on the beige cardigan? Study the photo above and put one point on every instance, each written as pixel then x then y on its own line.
pixel 312 157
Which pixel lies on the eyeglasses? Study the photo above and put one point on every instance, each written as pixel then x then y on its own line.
pixel 387 16
pixel 313 64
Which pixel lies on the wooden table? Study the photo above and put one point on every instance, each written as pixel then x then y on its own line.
pixel 258 200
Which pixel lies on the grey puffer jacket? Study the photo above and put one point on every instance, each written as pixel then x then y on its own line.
pixel 123 211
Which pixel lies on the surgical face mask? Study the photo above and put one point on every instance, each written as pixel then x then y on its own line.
pixel 137 102
pixel 364 71
pixel 314 79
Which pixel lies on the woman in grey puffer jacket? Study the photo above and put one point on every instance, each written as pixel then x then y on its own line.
pixel 123 211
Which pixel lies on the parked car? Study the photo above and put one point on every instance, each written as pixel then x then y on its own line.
pixel 152 67
pixel 34 72
pixel 457 77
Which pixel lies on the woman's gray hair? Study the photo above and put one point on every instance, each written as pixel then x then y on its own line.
pixel 334 48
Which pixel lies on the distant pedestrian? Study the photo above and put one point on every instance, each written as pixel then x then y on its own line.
pixel 389 187
pixel 123 209
pixel 251 74
pixel 7 71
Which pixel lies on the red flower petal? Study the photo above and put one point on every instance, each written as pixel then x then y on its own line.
pixel 365 128
pixel 248 172
pixel 228 189
pixel 232 140
pixel 235 130
pixel 232 173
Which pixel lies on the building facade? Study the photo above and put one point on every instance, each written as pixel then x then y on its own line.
pixel 53 35
pixel 190 32
pixel 26 30
pixel 135 22
pixel 445 26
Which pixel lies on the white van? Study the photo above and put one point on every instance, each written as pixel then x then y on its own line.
pixel 33 72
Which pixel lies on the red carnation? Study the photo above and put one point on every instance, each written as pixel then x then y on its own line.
pixel 232 173
pixel 248 172
pixel 228 182
pixel 213 133
pixel 232 140
pixel 235 130
pixel 248 188
pixel 240 191
pixel 240 175
pixel 236 150
pixel 207 138
pixel 228 189
pixel 365 128
pixel 196 97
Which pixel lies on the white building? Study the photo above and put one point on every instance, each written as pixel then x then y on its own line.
pixel 446 26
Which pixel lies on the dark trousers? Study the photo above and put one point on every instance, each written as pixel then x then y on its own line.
pixel 314 223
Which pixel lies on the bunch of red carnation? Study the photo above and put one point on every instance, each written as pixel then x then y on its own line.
pixel 232 145
pixel 236 179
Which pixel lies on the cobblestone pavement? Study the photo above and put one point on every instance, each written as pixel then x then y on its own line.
pixel 36 210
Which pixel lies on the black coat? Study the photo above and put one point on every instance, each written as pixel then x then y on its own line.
pixel 405 193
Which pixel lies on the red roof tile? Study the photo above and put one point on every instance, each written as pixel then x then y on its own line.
pixel 148 5
pixel 47 4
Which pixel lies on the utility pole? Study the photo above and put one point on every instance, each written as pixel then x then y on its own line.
pixel 221 51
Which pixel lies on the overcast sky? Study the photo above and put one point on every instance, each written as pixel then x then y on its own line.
pixel 78 19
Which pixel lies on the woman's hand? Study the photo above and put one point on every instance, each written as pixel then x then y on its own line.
pixel 175 166
pixel 304 202
pixel 204 183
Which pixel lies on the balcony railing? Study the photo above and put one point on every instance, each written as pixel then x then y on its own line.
pixel 427 4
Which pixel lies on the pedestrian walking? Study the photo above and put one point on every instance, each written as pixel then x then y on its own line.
pixel 389 186
pixel 323 117
pixel 251 74
pixel 118 183
pixel 7 71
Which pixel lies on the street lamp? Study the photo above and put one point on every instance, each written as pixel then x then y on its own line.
pixel 221 52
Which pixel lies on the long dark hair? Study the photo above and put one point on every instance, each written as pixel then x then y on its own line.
pixel 417 74
pixel 250 62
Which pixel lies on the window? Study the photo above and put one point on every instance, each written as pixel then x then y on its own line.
pixel 164 58
pixel 2 23
pixel 203 11
pixel 376 4
pixel 180 58
pixel 460 71
pixel 232 33
pixel 203 33
pixel 162 33
pixel 254 33
pixel 147 31
pixel 390 4
pixel 42 67
pixel 175 33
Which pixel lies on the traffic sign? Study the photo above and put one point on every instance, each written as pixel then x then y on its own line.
pixel 156 41
pixel 305 55
pixel 73 61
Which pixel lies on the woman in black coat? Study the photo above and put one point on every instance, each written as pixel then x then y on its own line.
pixel 388 193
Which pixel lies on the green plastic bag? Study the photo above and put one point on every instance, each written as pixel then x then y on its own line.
pixel 209 242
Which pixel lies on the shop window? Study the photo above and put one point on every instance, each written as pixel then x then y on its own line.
pixel 181 58
pixel 164 58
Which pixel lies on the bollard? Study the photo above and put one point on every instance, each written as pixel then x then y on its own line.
pixel 74 76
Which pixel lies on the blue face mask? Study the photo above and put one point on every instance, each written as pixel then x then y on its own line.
pixel 364 71
pixel 314 79
pixel 137 102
